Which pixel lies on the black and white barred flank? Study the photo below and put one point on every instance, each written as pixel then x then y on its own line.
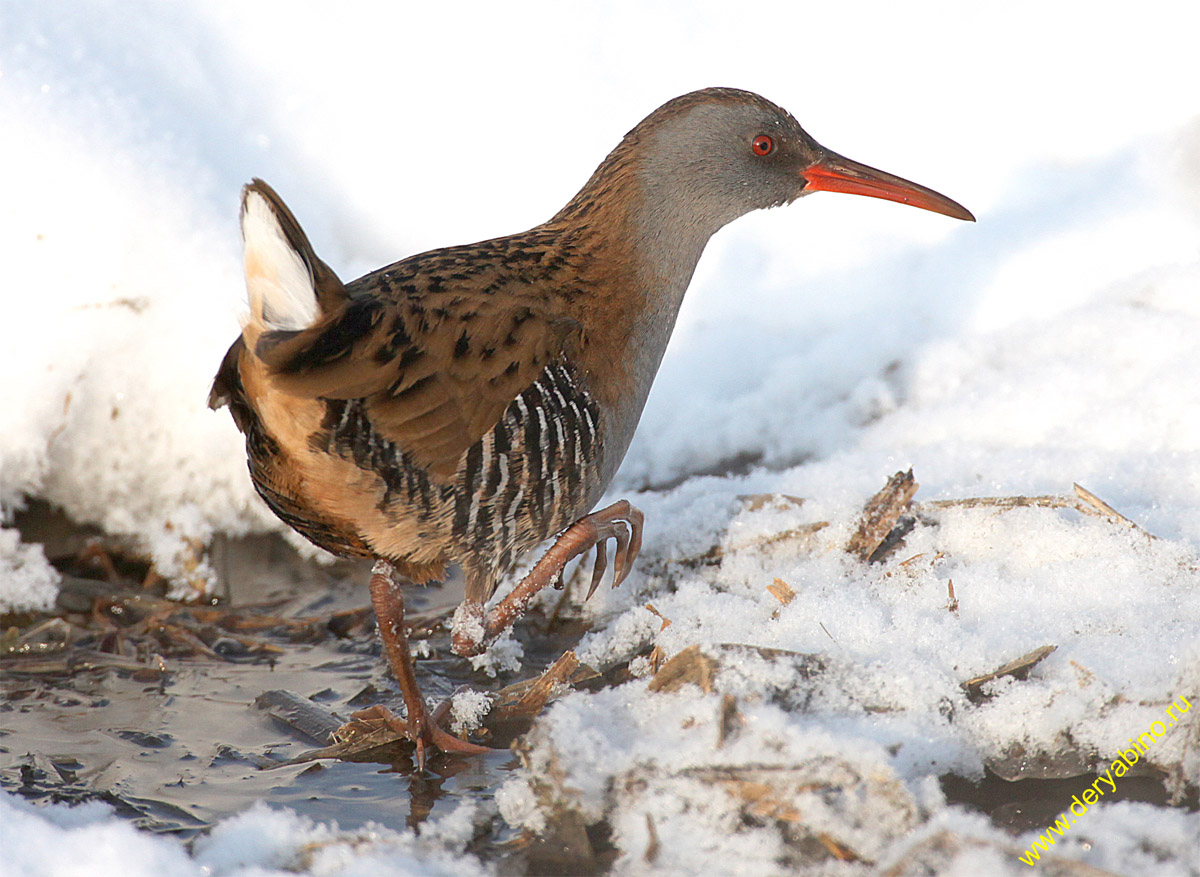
pixel 528 478
pixel 522 482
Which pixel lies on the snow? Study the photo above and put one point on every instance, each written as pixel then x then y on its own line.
pixel 833 342
pixel 504 654
pixel 467 709
pixel 259 842
pixel 30 582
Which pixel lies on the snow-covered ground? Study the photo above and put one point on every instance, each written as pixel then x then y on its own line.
pixel 835 342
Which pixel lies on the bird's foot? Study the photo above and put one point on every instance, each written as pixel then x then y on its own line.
pixel 423 729
pixel 621 522
pixel 474 631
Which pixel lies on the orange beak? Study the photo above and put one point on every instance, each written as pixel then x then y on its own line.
pixel 835 173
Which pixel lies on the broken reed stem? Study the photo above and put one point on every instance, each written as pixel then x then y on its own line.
pixel 1000 502
pixel 1083 501
pixel 880 514
pixel 550 683
pixel 1018 669
pixel 714 555
pixel 1089 503
pixel 952 602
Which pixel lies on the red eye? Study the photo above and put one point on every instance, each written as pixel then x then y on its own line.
pixel 762 145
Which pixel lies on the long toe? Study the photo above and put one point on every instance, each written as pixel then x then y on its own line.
pixel 599 568
pixel 621 559
pixel 447 742
pixel 425 733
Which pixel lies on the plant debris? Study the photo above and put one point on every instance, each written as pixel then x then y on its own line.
pixel 1018 669
pixel 782 591
pixel 699 665
pixel 880 517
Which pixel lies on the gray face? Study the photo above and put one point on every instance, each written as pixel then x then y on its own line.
pixel 721 159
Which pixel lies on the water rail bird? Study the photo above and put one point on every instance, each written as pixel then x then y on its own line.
pixel 463 405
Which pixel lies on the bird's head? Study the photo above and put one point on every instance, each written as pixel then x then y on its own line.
pixel 722 152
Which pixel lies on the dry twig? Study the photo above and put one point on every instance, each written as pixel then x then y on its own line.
pixel 1018 669
pixel 880 515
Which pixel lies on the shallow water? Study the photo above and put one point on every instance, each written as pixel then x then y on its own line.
pixel 188 750
pixel 179 753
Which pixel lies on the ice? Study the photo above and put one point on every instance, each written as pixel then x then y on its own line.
pixel 822 348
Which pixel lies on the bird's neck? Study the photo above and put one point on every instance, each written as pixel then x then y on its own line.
pixel 640 240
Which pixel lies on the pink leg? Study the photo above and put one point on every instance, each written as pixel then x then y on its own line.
pixel 473 632
pixel 421 728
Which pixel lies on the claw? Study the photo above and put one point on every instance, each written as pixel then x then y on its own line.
pixel 447 742
pixel 598 569
pixel 621 558
pixel 619 521
pixel 636 519
pixel 419 754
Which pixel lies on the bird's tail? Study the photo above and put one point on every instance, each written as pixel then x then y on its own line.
pixel 292 294
pixel 288 286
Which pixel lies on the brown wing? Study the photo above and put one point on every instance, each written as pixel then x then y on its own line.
pixel 437 370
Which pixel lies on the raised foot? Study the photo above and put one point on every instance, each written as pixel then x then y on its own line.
pixel 423 730
pixel 474 632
